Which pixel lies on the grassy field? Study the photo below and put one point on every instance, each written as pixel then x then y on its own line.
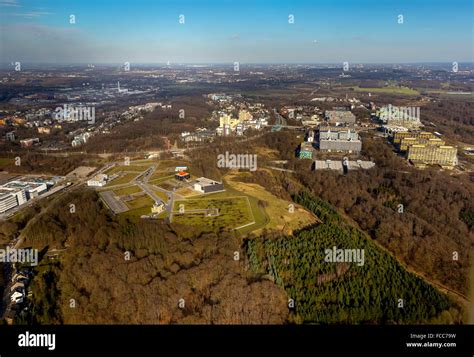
pixel 5 162
pixel 276 209
pixel 160 176
pixel 187 192
pixel 123 179
pixel 233 212
pixel 127 190
pixel 390 90
pixel 140 202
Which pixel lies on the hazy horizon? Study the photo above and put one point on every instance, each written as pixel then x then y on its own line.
pixel 257 32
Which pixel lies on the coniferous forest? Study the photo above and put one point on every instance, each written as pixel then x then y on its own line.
pixel 380 291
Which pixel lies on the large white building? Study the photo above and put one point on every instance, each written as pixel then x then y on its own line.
pixel 8 200
pixel 11 197
pixel 32 189
pixel 98 180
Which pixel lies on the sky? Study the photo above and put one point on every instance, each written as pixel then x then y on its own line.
pixel 228 31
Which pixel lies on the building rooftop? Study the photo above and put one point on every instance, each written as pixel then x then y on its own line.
pixel 203 181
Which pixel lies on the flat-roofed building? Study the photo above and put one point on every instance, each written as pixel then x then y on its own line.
pixel 341 165
pixel 335 165
pixel 350 146
pixel 339 139
pixel 423 155
pixel 206 185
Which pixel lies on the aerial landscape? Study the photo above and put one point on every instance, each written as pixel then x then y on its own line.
pixel 236 163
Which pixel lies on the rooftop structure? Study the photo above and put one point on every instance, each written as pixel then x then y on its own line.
pixel 337 133
pixel 182 175
pixel 406 142
pixel 398 136
pixel 342 165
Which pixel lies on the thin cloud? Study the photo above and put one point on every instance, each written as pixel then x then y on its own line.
pixel 9 3
pixel 33 14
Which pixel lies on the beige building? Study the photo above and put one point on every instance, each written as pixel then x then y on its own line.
pixel 407 142
pixel 423 155
pixel 398 136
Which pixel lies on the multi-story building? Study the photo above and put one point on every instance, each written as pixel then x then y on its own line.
pixel 339 117
pixel 339 139
pixel 10 198
pixel 7 200
pixel 407 142
pixel 31 189
pixel 423 155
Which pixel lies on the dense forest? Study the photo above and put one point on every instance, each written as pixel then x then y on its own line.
pixel 379 291
pixel 455 119
pixel 97 283
pixel 39 163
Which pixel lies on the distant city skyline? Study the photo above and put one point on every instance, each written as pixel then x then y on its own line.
pixel 253 32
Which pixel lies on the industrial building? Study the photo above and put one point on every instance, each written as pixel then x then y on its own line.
pixel 423 155
pixel 205 185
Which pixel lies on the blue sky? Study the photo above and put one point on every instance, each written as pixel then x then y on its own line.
pixel 258 31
